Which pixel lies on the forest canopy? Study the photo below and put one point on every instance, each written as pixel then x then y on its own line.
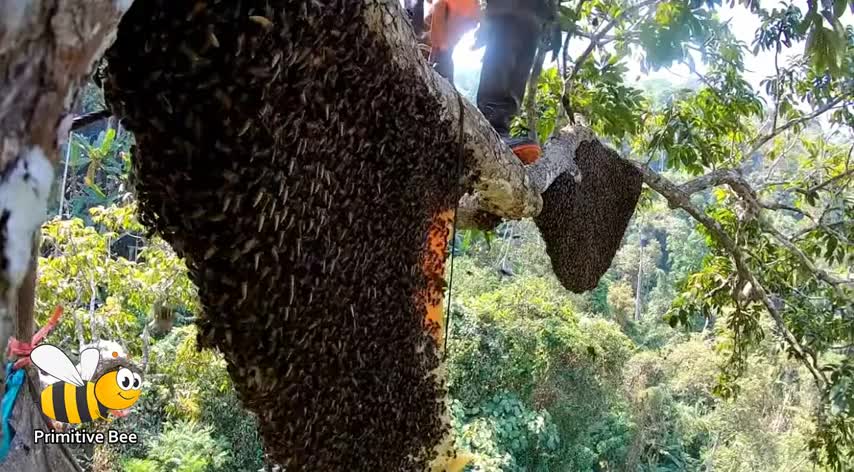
pixel 720 337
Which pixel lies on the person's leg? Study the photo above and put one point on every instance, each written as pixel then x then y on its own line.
pixel 512 30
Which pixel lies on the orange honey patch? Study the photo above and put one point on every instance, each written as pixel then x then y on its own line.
pixel 434 269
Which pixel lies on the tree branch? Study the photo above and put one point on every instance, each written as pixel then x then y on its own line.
pixel 712 179
pixel 500 184
pixel 558 157
pixel 89 118
pixel 531 93
pixel 740 186
pixel 780 206
pixel 760 141
pixel 803 259
pixel 825 226
pixel 596 39
pixel 831 180
pixel 678 198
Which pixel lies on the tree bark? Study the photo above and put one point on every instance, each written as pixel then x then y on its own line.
pixel 558 157
pixel 47 49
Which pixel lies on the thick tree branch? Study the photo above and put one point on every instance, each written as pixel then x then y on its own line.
pixel 558 157
pixel 712 179
pixel 500 184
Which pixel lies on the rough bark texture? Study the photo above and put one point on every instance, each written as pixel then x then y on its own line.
pixel 558 158
pixel 25 455
pixel 499 185
pixel 295 153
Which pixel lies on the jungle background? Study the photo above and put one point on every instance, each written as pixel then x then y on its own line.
pixel 655 370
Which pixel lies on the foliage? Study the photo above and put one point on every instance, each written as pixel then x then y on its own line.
pixel 182 447
pixel 613 107
pixel 777 242
pixel 515 349
pixel 106 295
pixel 97 172
pixel 186 386
pixel 505 435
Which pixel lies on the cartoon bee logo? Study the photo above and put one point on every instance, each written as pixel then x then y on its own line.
pixel 75 398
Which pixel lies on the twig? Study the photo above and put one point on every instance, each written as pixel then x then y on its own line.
pixel 92 325
pixel 780 206
pixel 78 321
pixel 604 39
pixel 596 39
pixel 827 227
pixel 777 88
pixel 831 180
pixel 803 259
pixel 89 118
pixel 760 141
pixel 145 348
pixel 65 173
pixel 531 94
pixel 777 161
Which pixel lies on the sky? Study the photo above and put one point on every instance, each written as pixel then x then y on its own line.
pixel 742 23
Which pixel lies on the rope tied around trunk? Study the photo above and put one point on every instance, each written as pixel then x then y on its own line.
pixel 15 376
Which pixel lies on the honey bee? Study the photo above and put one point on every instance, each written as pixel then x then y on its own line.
pixel 75 398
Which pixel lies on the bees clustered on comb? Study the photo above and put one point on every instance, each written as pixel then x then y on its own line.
pixel 582 223
pixel 298 171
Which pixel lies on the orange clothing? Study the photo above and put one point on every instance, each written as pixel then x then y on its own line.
pixel 449 20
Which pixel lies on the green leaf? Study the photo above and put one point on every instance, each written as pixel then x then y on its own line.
pixel 107 142
pixel 832 243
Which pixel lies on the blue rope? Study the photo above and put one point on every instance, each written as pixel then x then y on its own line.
pixel 14 380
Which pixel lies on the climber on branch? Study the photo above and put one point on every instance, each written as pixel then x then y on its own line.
pixel 511 30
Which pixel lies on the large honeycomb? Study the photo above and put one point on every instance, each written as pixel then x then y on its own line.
pixel 582 223
pixel 299 172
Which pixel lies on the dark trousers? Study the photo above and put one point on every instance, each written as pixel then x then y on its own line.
pixel 512 30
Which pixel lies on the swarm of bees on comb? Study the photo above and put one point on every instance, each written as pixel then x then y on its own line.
pixel 582 223
pixel 298 172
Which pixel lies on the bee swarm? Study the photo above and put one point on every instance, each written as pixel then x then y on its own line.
pixel 282 153
pixel 583 223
